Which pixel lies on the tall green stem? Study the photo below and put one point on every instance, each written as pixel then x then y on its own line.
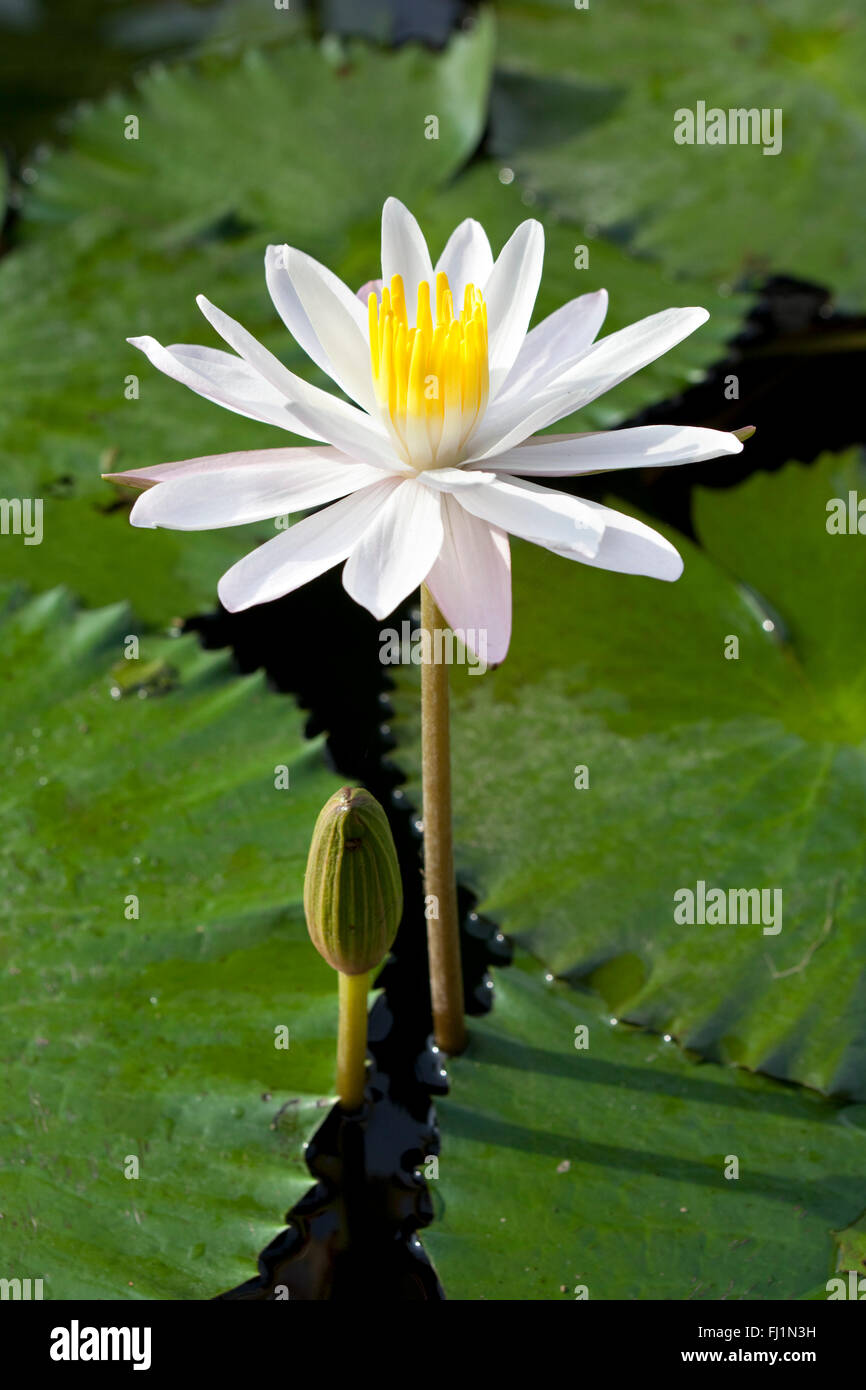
pixel 352 1039
pixel 443 928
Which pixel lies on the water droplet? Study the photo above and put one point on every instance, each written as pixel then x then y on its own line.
pixel 506 175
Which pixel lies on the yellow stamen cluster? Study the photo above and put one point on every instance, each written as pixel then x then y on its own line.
pixel 431 378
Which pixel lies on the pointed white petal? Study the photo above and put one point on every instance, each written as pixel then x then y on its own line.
pixel 510 296
pixel 536 513
pixel 598 370
pixel 309 455
pixel 323 415
pixel 404 250
pixel 334 316
pixel 252 492
pixel 396 553
pixel 293 313
pixel 467 259
pixel 471 582
pixel 306 550
pixel 556 343
pixel 629 547
pixel 646 446
pixel 225 379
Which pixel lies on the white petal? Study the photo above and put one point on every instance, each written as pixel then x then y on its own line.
pixel 306 550
pixel 225 379
pixel 216 463
pixel 536 513
pixel 446 479
pixel 471 582
pixel 647 446
pixel 404 250
pixel 598 370
pixel 556 342
pixel 629 547
pixel 510 296
pixel 396 553
pixel 334 316
pixel 294 315
pixel 467 259
pixel 252 492
pixel 326 416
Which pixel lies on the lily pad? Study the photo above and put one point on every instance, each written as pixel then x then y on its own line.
pixel 743 772
pixel 582 1159
pixel 588 103
pixel 153 943
pixel 301 140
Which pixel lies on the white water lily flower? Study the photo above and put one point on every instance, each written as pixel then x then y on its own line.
pixel 437 460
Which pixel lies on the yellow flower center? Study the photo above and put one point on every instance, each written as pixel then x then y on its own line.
pixel 431 378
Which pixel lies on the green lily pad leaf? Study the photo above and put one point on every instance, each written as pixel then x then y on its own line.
pixel 153 944
pixel 851 1247
pixel 300 141
pixel 589 102
pixel 584 1160
pixel 743 773
pixel 636 287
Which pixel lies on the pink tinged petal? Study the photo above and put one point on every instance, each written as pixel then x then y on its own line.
pixel 628 546
pixel 535 513
pixel 510 297
pixel 306 550
pixel 225 379
pixel 404 250
pixel 293 313
pixel 340 324
pixel 321 414
pixel 371 287
pixel 598 370
pixel 647 446
pixel 217 463
pixel 467 259
pixel 398 550
pixel 471 582
pixel 253 492
pixel 556 343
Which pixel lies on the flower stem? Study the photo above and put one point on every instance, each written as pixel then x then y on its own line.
pixel 443 928
pixel 352 1039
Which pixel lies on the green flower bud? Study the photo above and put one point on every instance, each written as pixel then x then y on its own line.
pixel 353 896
